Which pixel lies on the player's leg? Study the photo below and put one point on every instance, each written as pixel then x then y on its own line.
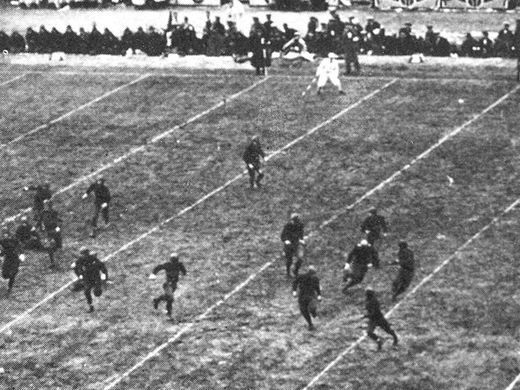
pixel 383 324
pixel 337 83
pixel 260 174
pixel 88 296
pixel 356 63
pixel 11 280
pixel 303 303
pixel 169 305
pixel 251 171
pixel 288 251
pixel 322 80
pixel 106 214
pixel 372 335
pixel 97 210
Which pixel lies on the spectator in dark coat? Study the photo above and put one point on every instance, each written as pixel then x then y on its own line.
pixel 44 41
pixel 109 43
pixel 31 38
pixel 4 41
pixel 16 43
pixel 441 46
pixel 371 24
pixel 83 41
pixel 70 41
pixel 486 45
pixel 470 47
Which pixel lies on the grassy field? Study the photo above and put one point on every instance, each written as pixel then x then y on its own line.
pixel 459 331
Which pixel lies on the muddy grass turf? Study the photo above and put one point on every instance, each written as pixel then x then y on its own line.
pixel 452 331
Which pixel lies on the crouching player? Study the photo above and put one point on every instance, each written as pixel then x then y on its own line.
pixel 328 70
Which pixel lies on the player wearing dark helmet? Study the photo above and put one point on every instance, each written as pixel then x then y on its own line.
pixel 42 193
pixel 27 235
pixel 252 157
pixel 173 269
pixel 406 262
pixel 293 243
pixel 374 226
pixel 51 225
pixel 101 202
pixel 91 272
pixel 377 319
pixel 12 257
pixel 307 288
pixel 358 262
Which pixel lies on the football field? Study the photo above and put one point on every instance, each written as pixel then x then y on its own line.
pixel 438 158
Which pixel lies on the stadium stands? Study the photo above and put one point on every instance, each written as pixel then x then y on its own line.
pixel 217 39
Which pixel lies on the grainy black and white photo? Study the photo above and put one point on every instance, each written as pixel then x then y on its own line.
pixel 260 194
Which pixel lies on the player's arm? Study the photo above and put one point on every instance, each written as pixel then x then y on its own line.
pixel 304 45
pixel 103 269
pixel 295 284
pixel 156 270
pixel 288 44
pixel 320 69
pixel 182 269
pixel 88 191
pixel 77 267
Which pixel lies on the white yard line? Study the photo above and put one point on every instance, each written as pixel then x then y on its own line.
pixel 423 155
pixel 72 112
pixel 413 291
pixel 12 80
pixel 119 378
pixel 186 328
pixel 141 148
pixel 514 383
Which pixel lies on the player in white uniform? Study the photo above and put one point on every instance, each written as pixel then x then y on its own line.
pixel 329 70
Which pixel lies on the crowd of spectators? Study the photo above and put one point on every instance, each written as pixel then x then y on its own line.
pixel 372 39
pixel 218 39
